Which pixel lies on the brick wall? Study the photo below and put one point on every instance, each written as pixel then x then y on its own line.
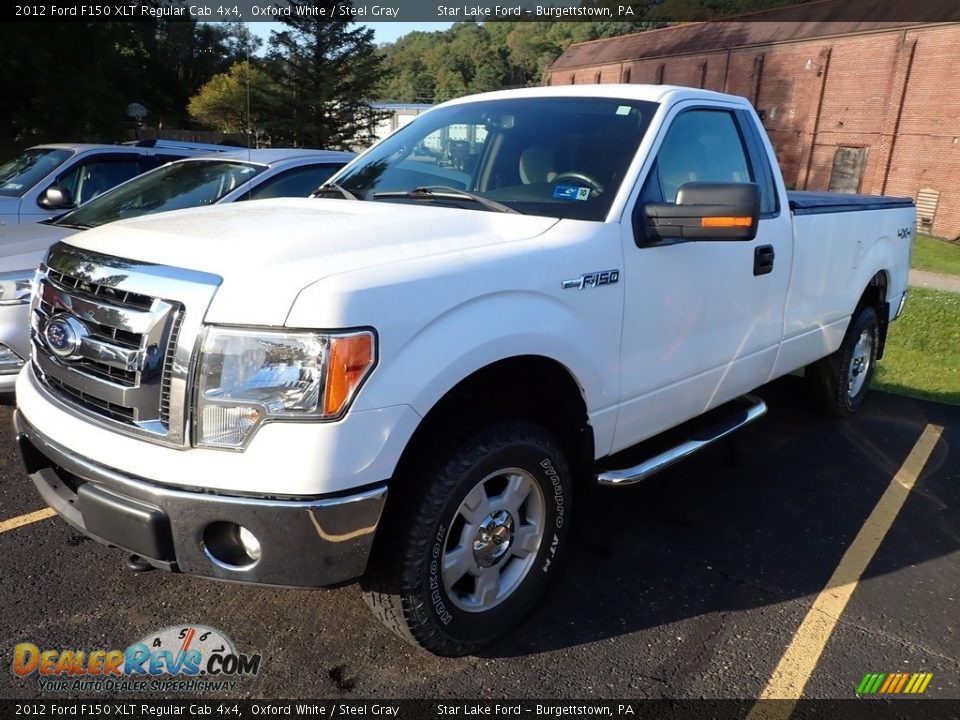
pixel 894 93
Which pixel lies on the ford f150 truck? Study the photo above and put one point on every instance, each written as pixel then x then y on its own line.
pixel 409 380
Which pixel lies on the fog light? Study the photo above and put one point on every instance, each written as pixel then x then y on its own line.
pixel 249 542
pixel 10 362
pixel 230 545
pixel 227 426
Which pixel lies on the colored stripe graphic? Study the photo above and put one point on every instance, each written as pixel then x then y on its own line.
pixel 894 683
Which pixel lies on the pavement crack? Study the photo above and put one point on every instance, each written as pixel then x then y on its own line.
pixel 655 678
pixel 893 638
pixel 740 581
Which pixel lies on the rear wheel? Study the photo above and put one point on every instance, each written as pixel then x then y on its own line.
pixel 839 382
pixel 472 542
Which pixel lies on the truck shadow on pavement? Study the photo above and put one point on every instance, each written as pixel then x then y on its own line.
pixel 761 518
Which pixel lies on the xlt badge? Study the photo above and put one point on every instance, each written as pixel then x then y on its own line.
pixel 592 280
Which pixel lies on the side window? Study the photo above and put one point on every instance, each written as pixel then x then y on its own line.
pixel 298 182
pixel 700 146
pixel 92 177
pixel 760 162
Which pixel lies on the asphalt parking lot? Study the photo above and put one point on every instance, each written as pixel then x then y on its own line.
pixel 690 585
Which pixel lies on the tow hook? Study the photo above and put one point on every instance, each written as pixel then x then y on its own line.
pixel 138 564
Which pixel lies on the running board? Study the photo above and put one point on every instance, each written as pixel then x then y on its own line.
pixel 746 409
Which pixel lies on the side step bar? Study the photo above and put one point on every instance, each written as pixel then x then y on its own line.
pixel 750 408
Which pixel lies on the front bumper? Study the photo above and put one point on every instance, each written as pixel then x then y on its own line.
pixel 311 542
pixel 14 343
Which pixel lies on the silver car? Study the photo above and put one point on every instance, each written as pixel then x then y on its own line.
pixel 219 178
pixel 43 181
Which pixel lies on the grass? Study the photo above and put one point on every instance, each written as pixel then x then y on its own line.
pixel 922 356
pixel 930 253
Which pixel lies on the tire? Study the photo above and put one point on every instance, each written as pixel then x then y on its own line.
pixel 839 382
pixel 470 546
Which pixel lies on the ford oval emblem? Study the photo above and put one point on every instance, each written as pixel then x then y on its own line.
pixel 64 335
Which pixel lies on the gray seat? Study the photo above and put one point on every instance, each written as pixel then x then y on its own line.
pixel 537 165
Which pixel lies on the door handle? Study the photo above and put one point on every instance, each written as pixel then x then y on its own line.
pixel 763 260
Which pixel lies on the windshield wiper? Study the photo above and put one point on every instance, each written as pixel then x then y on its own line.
pixel 336 188
pixel 430 192
pixel 73 226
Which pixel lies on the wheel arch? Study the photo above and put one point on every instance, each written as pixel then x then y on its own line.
pixel 875 295
pixel 531 387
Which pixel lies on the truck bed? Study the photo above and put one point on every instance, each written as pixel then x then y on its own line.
pixel 819 203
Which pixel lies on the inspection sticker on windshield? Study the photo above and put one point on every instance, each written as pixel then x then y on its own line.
pixel 571 192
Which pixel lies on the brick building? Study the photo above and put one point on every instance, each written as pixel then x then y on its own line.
pixel 854 106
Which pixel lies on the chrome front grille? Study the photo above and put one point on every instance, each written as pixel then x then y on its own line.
pixel 168 369
pixel 91 403
pixel 114 339
pixel 100 292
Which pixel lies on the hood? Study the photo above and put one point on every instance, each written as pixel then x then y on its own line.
pixel 267 251
pixel 9 211
pixel 23 247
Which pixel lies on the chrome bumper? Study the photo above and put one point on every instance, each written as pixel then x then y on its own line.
pixel 312 542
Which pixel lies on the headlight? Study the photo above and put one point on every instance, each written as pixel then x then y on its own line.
pixel 15 287
pixel 249 376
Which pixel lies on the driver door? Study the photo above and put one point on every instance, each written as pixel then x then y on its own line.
pixel 702 319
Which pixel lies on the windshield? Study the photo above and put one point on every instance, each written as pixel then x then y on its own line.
pixel 28 168
pixel 172 187
pixel 560 157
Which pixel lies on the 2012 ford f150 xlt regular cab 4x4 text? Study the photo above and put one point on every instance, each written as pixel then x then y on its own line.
pixel 409 379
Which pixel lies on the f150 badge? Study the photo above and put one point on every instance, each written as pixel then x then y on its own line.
pixel 592 280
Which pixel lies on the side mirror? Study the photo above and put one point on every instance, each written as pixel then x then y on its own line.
pixel 706 211
pixel 56 198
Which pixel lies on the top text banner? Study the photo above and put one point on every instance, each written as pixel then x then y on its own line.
pixel 364 11
pixel 367 11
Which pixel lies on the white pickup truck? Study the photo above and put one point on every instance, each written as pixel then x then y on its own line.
pixel 409 380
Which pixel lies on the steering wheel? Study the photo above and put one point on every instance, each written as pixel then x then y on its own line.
pixel 582 177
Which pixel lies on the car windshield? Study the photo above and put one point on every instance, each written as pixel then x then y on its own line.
pixel 179 185
pixel 28 168
pixel 560 157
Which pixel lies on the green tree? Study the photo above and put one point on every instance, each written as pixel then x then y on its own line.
pixel 407 75
pixel 471 57
pixel 328 71
pixel 236 101
pixel 72 81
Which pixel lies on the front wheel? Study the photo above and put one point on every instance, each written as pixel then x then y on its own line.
pixel 839 382
pixel 470 546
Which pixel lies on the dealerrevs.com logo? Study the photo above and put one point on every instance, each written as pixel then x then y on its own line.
pixel 189 658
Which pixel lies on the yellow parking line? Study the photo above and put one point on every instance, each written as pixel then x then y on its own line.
pixel 797 664
pixel 21 520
